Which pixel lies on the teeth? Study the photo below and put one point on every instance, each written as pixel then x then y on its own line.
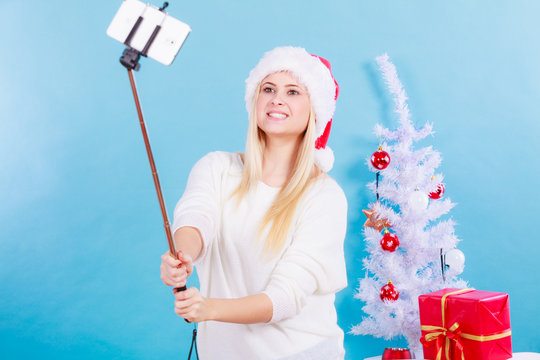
pixel 279 116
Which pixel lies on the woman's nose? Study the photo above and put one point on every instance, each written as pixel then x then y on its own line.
pixel 277 100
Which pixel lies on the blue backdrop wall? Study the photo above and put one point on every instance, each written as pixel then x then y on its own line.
pixel 80 228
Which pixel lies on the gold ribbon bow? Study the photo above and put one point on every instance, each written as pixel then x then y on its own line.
pixel 445 336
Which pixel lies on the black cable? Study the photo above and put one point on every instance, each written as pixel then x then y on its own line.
pixel 194 345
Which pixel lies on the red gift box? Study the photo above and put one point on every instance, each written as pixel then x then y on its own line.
pixel 465 324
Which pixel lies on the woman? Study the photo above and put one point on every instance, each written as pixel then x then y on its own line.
pixel 266 229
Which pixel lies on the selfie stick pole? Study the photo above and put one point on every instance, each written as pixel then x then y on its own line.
pixel 130 60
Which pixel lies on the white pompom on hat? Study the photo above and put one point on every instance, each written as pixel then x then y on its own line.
pixel 315 74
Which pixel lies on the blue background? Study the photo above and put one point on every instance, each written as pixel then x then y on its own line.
pixel 80 228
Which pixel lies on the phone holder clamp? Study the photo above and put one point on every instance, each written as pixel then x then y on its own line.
pixel 130 57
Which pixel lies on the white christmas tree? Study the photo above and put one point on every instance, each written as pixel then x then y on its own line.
pixel 407 192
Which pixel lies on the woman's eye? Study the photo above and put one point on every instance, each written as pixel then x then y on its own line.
pixel 268 90
pixel 293 92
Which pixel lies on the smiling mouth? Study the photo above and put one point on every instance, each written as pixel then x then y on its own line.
pixel 277 116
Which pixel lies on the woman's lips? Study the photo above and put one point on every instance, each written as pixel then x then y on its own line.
pixel 274 115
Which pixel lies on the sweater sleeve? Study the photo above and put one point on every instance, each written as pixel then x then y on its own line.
pixel 198 206
pixel 314 262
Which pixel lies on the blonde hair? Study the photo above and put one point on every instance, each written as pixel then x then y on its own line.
pixel 281 212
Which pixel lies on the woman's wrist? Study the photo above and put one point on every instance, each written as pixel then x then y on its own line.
pixel 213 309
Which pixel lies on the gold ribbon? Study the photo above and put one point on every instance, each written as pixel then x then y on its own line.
pixel 453 333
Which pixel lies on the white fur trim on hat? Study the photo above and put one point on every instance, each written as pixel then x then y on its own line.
pixel 324 158
pixel 309 70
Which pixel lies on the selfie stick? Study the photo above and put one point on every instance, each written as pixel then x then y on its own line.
pixel 130 60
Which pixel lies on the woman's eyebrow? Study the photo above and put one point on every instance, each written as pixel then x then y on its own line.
pixel 288 85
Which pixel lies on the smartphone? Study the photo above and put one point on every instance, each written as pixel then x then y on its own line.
pixel 169 39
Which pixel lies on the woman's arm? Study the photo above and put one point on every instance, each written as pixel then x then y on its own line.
pixel 314 262
pixel 251 309
pixel 197 211
pixel 188 240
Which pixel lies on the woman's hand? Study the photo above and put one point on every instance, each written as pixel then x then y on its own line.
pixel 175 272
pixel 252 309
pixel 192 306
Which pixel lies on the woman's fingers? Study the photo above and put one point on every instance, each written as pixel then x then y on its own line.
pixel 186 294
pixel 168 259
pixel 189 304
pixel 185 304
pixel 186 261
pixel 175 279
pixel 183 257
pixel 189 315
pixel 173 272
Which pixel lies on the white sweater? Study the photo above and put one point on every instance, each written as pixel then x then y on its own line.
pixel 301 281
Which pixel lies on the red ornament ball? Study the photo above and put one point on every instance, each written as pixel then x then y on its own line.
pixel 389 242
pixel 380 159
pixel 389 292
pixel 438 193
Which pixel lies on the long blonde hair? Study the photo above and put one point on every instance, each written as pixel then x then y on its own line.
pixel 281 212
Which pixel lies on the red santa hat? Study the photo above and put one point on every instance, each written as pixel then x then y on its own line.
pixel 315 74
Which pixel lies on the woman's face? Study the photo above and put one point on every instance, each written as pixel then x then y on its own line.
pixel 283 106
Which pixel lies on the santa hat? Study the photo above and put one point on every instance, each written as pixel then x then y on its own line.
pixel 315 74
